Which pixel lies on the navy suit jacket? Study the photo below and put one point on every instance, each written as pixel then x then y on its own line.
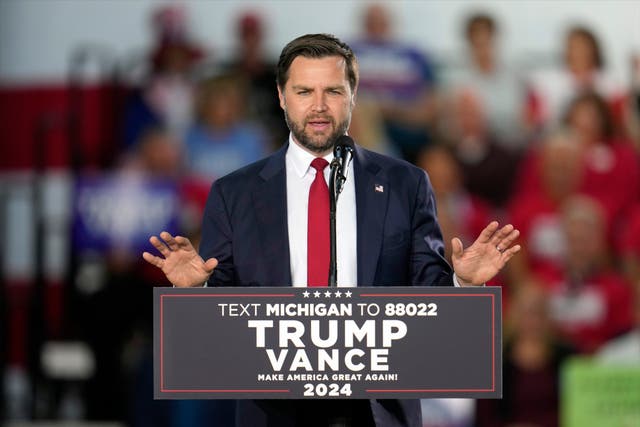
pixel 399 243
pixel 399 239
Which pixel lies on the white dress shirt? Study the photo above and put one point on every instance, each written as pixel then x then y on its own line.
pixel 300 175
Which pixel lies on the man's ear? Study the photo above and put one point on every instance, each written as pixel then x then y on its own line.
pixel 353 97
pixel 283 104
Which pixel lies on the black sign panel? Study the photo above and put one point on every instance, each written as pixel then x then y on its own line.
pixel 299 343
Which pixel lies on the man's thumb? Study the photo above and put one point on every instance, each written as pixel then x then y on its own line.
pixel 457 248
pixel 210 264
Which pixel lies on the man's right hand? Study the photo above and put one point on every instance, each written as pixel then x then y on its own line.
pixel 181 263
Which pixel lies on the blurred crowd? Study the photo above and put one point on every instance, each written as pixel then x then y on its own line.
pixel 553 150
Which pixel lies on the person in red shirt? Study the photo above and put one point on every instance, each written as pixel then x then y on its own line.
pixel 536 213
pixel 590 301
pixel 611 172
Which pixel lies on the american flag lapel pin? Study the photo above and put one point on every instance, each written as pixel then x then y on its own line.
pixel 379 188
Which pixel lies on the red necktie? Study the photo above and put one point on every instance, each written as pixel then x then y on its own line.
pixel 318 227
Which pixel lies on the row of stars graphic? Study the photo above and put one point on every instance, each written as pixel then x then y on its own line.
pixel 327 294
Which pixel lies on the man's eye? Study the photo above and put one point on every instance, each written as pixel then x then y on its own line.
pixel 303 92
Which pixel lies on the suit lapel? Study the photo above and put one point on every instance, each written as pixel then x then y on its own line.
pixel 270 204
pixel 372 196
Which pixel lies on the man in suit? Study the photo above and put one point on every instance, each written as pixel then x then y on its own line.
pixel 255 225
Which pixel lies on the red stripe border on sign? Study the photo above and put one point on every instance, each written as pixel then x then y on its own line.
pixel 168 390
pixel 453 390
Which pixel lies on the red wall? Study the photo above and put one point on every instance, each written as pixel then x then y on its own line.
pixel 47 110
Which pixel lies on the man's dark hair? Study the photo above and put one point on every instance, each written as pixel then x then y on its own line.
pixel 317 46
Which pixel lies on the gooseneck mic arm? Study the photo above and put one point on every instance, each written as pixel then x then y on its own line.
pixel 342 155
pixel 333 201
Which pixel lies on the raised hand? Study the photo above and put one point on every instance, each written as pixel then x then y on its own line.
pixel 180 261
pixel 481 261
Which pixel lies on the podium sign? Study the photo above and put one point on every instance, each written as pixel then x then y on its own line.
pixel 327 343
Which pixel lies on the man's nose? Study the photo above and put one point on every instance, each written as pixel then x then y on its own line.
pixel 319 102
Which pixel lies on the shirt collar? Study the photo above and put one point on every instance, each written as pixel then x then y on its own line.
pixel 300 158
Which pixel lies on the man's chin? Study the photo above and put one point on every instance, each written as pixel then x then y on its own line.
pixel 318 135
pixel 317 146
pixel 320 149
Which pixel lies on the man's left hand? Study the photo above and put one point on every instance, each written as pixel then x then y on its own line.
pixel 481 261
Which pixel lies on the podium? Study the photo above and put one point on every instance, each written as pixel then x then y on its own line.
pixel 327 343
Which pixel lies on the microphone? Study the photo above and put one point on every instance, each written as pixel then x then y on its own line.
pixel 343 151
pixel 342 154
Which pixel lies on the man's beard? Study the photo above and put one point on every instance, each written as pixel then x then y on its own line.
pixel 317 144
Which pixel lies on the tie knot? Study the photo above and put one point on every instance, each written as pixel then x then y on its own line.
pixel 319 164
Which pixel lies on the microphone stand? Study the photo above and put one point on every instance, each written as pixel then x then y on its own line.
pixel 336 179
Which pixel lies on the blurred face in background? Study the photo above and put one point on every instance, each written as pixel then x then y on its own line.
pixel 581 53
pixel 159 154
pixel 175 59
pixel 443 170
pixel 377 22
pixel 317 102
pixel 585 232
pixel 586 118
pixel 481 36
pixel 529 312
pixel 250 33
pixel 221 103
pixel 469 114
pixel 561 167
